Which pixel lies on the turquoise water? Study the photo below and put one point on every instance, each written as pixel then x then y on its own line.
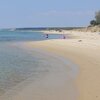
pixel 16 64
pixel 25 36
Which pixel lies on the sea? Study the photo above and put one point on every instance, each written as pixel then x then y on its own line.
pixel 6 36
pixel 18 63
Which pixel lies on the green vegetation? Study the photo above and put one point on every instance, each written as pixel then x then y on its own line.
pixel 97 19
pixel 93 22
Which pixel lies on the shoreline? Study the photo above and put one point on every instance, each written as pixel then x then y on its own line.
pixel 85 54
pixel 83 50
pixel 53 86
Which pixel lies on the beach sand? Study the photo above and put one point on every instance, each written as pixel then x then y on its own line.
pixel 55 80
pixel 82 50
pixel 85 54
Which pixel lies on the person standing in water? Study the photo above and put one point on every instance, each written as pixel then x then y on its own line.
pixel 46 35
pixel 64 37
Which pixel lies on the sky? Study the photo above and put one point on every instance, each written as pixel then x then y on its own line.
pixel 47 13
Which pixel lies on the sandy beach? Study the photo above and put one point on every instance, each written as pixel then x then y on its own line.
pixel 50 50
pixel 55 81
pixel 83 50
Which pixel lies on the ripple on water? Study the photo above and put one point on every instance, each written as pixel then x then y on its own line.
pixel 16 65
pixel 22 64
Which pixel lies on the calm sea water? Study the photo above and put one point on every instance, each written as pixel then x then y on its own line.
pixel 17 64
pixel 20 65
pixel 25 36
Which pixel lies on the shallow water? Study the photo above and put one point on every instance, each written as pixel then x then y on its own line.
pixel 6 36
pixel 17 63
pixel 15 66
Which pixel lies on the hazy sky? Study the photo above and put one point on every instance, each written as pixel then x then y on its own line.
pixel 46 13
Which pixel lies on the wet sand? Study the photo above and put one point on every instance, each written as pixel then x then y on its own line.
pixel 57 83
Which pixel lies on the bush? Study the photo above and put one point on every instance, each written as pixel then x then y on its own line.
pixel 97 17
pixel 93 22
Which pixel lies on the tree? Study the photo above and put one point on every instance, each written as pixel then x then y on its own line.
pixel 97 17
pixel 93 22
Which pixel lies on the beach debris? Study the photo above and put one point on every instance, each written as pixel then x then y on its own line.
pixel 96 96
pixel 79 40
